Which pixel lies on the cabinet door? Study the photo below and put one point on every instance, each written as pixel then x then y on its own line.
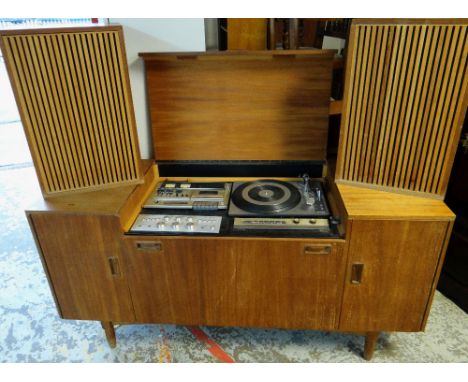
pixel 391 270
pixel 288 284
pixel 236 282
pixel 81 255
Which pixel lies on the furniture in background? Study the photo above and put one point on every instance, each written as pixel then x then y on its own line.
pixel 453 281
pixel 246 34
pixel 305 33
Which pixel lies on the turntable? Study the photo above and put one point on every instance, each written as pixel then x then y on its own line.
pixel 258 206
pixel 277 205
pixel 278 198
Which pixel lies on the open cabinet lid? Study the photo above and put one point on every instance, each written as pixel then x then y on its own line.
pixel 256 105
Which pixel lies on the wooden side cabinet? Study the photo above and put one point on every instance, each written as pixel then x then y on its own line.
pixel 236 281
pixel 82 258
pixel 390 278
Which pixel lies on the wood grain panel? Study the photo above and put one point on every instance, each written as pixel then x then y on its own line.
pixel 242 106
pixel 72 90
pixel 236 282
pixel 381 204
pixel 76 251
pixel 399 260
pixel 246 34
pixel 405 100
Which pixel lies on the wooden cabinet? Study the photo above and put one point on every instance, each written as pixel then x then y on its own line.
pixel 380 277
pixel 236 281
pixel 391 274
pixel 81 256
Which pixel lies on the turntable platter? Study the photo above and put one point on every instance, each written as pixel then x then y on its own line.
pixel 266 196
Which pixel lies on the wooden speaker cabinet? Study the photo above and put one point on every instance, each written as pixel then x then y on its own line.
pixel 406 94
pixel 73 93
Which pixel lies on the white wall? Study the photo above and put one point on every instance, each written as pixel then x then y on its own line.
pixel 155 35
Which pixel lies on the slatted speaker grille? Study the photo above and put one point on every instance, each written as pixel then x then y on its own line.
pixel 404 105
pixel 73 93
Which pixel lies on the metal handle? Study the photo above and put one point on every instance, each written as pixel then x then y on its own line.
pixel 317 249
pixel 356 273
pixel 153 246
pixel 114 266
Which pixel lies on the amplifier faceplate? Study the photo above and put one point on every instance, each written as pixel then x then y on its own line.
pixel 177 223
pixel 281 223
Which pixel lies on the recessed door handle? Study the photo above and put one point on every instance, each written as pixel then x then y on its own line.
pixel 153 246
pixel 356 273
pixel 317 249
pixel 114 266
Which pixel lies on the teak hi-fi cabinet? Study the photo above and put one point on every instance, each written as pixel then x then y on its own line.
pixel 230 116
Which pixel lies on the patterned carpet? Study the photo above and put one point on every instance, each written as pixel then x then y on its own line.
pixel 31 331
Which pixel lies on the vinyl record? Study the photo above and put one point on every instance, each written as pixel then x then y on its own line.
pixel 266 196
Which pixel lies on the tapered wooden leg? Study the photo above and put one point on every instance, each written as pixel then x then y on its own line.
pixel 108 327
pixel 369 346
